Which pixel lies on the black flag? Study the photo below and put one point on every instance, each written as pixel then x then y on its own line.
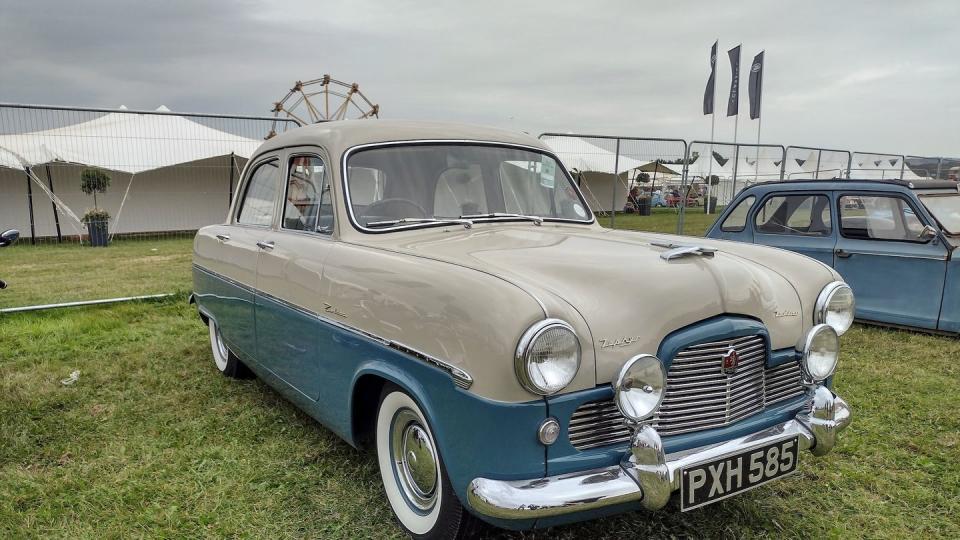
pixel 733 104
pixel 756 85
pixel 711 82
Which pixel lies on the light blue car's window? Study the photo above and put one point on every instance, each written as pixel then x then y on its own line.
pixel 737 219
pixel 872 217
pixel 801 214
pixel 256 207
pixel 946 208
pixel 308 206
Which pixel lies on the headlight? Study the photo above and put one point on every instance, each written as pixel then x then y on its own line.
pixel 821 348
pixel 639 387
pixel 836 307
pixel 548 357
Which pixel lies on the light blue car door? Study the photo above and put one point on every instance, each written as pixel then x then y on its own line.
pixel 897 276
pixel 797 221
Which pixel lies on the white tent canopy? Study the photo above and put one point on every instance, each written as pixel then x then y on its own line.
pixel 125 142
pixel 582 155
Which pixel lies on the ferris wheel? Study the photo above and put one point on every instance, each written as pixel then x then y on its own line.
pixel 323 100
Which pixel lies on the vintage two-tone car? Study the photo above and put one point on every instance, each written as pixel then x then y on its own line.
pixel 892 241
pixel 445 293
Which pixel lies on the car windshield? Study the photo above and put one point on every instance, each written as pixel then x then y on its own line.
pixel 416 185
pixel 946 208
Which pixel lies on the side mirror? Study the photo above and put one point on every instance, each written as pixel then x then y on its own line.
pixel 9 237
pixel 928 233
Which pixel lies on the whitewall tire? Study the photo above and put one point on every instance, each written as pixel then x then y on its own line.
pixel 414 478
pixel 227 363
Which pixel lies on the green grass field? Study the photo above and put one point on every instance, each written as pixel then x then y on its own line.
pixel 153 442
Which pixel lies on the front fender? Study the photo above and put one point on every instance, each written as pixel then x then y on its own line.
pixel 476 436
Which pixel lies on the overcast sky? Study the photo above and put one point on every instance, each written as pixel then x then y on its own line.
pixel 873 76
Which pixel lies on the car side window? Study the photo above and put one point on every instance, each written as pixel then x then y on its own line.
pixel 804 215
pixel 737 219
pixel 308 205
pixel 256 207
pixel 878 217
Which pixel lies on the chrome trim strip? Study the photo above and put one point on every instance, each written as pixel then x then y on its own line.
pixel 414 142
pixel 460 377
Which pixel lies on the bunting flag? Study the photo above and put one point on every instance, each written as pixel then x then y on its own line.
pixel 711 82
pixel 733 104
pixel 756 85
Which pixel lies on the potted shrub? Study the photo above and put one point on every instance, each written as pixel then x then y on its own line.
pixel 93 181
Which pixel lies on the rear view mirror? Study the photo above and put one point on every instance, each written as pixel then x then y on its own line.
pixel 9 237
pixel 927 233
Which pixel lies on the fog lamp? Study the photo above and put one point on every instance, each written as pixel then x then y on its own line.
pixel 639 387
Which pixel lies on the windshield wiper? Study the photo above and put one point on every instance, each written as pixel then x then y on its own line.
pixel 388 222
pixel 535 219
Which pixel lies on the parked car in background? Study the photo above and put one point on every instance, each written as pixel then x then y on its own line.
pixel 657 200
pixel 444 293
pixel 892 241
pixel 674 198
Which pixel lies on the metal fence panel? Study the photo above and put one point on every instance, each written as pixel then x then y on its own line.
pixel 169 174
pixel 807 162
pixel 876 166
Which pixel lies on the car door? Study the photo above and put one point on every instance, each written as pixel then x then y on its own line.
pixel 798 221
pixel 896 275
pixel 290 272
pixel 236 253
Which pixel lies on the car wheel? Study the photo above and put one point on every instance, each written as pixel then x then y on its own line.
pixel 414 478
pixel 226 362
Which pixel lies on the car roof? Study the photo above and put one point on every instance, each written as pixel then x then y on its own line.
pixel 854 183
pixel 339 136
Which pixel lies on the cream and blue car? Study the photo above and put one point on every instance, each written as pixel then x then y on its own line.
pixel 444 294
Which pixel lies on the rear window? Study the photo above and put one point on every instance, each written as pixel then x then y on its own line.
pixel 737 219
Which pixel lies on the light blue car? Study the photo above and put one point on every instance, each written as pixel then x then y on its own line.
pixel 892 241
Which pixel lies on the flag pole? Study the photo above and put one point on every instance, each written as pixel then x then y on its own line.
pixel 713 124
pixel 760 119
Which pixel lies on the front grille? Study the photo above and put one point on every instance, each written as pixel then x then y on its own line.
pixel 699 394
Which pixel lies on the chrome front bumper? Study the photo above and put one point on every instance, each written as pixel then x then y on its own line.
pixel 647 474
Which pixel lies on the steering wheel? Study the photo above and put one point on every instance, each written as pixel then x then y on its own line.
pixel 396 208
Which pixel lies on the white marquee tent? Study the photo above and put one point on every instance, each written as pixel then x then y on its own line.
pixel 168 172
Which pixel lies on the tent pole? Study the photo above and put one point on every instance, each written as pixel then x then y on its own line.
pixel 56 215
pixel 616 179
pixel 33 231
pixel 230 190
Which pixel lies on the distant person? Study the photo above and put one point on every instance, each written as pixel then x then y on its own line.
pixel 632 205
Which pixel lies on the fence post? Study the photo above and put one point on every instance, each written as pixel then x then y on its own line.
pixel 816 172
pixel 33 232
pixel 53 204
pixel 736 161
pixel 616 178
pixel 939 165
pixel 684 176
pixel 230 194
pixel 903 165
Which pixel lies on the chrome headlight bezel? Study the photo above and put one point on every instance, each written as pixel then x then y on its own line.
pixel 525 346
pixel 826 332
pixel 821 310
pixel 625 392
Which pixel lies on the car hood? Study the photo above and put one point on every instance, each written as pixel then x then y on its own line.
pixel 629 297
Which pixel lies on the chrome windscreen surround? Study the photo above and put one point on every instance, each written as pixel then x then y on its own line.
pixel 523 348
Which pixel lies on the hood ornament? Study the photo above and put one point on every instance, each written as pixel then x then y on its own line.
pixel 677 251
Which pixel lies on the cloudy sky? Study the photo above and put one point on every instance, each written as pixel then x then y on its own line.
pixel 873 76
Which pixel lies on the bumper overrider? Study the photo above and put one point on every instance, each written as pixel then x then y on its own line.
pixel 647 474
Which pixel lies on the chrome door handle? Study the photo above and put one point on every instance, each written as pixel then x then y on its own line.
pixel 265 245
pixel 843 254
pixel 223 238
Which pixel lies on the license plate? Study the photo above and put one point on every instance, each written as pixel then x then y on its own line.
pixel 727 476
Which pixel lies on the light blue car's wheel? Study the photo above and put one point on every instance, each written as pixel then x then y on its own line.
pixel 226 362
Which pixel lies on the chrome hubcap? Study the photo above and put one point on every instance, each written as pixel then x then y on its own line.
pixel 415 460
pixel 221 346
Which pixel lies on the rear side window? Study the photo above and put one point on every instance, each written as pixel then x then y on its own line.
pixel 802 215
pixel 869 217
pixel 737 220
pixel 308 205
pixel 256 207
